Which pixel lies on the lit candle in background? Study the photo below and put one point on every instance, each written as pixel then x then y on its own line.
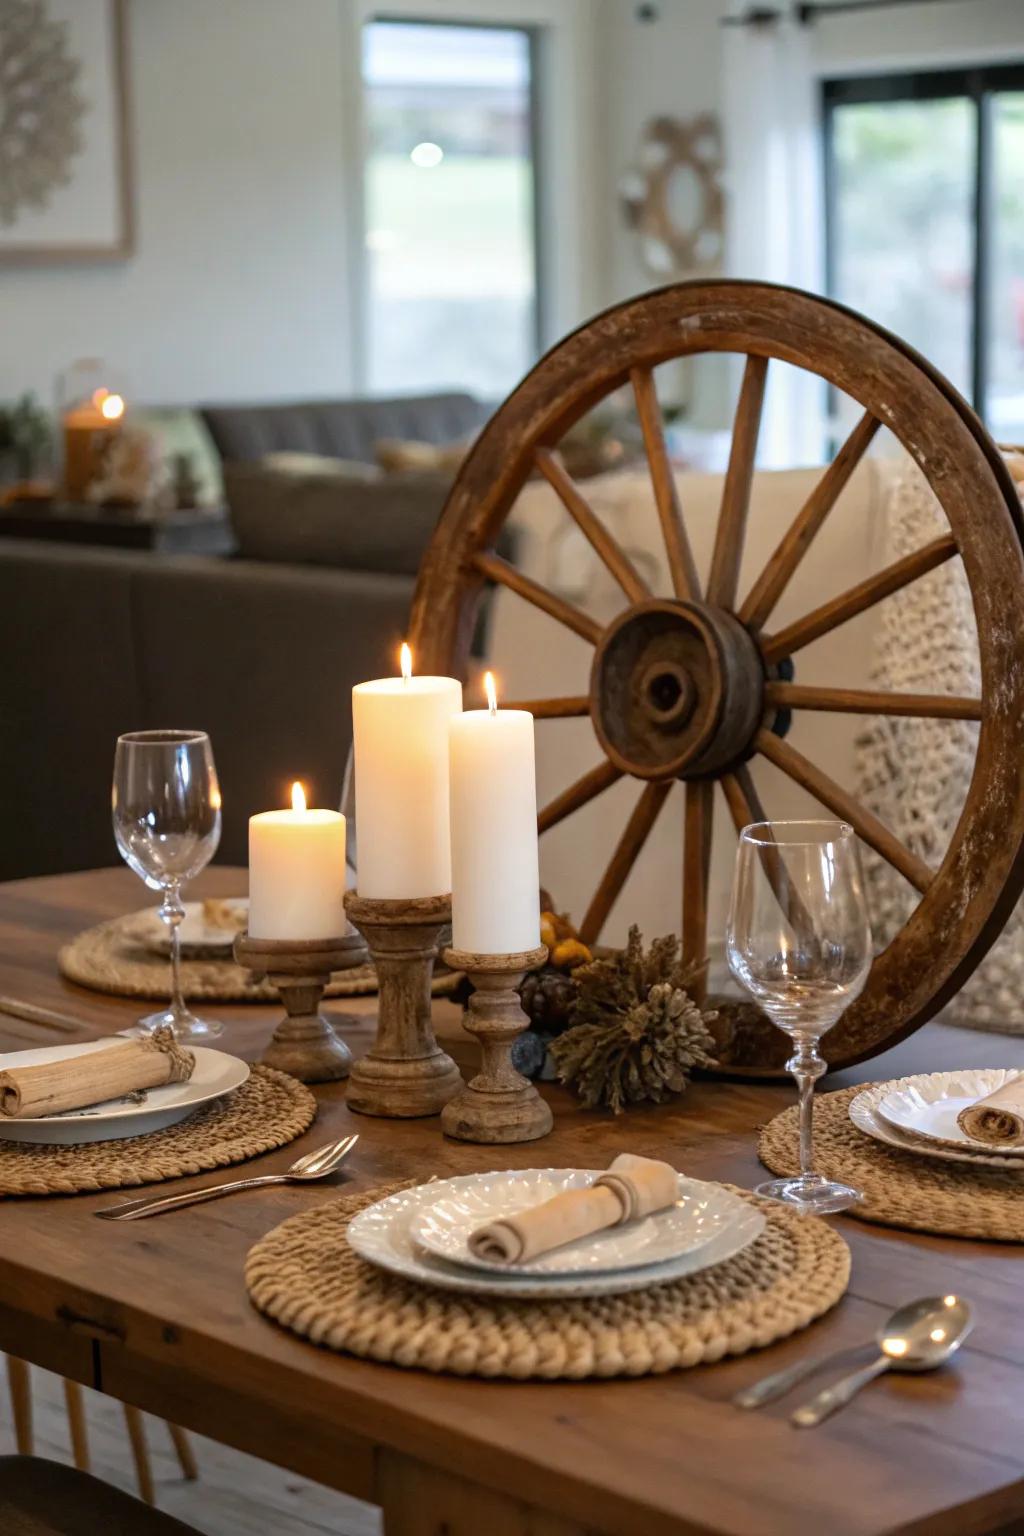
pixel 297 873
pixel 400 732
pixel 88 429
pixel 495 878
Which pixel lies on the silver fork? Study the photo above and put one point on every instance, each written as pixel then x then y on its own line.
pixel 315 1165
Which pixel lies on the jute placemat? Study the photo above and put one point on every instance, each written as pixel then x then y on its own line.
pixel 268 1111
pixel 109 958
pixel 304 1275
pixel 901 1189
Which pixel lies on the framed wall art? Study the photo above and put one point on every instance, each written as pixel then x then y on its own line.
pixel 65 172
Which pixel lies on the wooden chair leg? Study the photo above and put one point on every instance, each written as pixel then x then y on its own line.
pixel 19 1384
pixel 185 1454
pixel 75 1404
pixel 137 1435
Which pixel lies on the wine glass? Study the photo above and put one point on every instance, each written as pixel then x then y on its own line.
pixel 166 813
pixel 799 940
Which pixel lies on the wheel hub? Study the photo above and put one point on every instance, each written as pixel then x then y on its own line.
pixel 677 690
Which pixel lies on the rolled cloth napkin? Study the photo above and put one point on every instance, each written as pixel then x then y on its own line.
pixel 93 1077
pixel 998 1119
pixel 631 1188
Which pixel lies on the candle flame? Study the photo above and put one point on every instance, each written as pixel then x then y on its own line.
pixel 491 692
pixel 406 663
pixel 298 797
pixel 112 407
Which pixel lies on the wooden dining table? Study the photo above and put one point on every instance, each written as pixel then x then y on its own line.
pixel 156 1314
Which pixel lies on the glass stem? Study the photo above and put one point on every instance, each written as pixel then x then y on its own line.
pixel 806 1066
pixel 172 911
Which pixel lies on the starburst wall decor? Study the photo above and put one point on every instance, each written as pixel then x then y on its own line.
pixel 63 142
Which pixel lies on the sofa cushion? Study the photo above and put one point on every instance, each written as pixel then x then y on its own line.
pixel 377 525
pixel 344 429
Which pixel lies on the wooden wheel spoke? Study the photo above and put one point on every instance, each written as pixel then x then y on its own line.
pixel 579 794
pixel 549 602
pixel 868 592
pixel 745 807
pixel 777 574
pixel 683 570
pixel 604 544
pixel 638 829
pixel 867 701
pixel 553 709
pixel 724 576
pixel 867 826
pixel 696 875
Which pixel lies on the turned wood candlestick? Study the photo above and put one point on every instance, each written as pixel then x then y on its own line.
pixel 499 1104
pixel 304 1043
pixel 405 1074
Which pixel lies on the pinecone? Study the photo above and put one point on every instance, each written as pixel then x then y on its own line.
pixel 636 1032
pixel 547 997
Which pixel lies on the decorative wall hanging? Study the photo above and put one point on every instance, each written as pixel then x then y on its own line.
pixel 673 197
pixel 64 168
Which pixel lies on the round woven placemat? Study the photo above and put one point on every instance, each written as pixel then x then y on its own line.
pixel 304 1275
pixel 269 1110
pixel 901 1189
pixel 109 958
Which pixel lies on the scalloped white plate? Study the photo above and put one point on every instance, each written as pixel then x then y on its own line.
pixel 382 1235
pixel 928 1105
pixel 701 1212
pixel 865 1116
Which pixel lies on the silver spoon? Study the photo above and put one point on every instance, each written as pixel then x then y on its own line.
pixel 314 1165
pixel 919 1337
pixel 780 1382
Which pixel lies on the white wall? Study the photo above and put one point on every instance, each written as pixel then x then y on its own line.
pixel 238 287
pixel 244 283
pixel 247 144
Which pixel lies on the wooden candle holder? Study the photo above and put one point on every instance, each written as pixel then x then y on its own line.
pixel 406 1074
pixel 304 1043
pixel 499 1104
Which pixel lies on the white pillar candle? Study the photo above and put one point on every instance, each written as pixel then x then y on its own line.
pixel 297 873
pixel 495 878
pixel 400 731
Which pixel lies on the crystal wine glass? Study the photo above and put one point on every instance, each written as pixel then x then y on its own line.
pixel 799 940
pixel 166 812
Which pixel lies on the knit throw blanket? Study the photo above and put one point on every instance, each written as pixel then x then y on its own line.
pixel 914 773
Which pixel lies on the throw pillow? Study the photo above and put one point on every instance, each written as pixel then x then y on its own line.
pixel 289 461
pixel 177 431
pixel 399 457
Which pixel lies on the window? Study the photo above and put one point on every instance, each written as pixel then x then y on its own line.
pixel 925 222
pixel 450 240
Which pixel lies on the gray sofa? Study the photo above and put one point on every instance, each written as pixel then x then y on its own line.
pixel 343 429
pixel 261 653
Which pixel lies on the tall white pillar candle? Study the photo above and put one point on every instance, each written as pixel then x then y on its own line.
pixel 400 731
pixel 297 873
pixel 495 878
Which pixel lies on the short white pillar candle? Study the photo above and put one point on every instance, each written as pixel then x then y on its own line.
pixel 400 732
pixel 297 873
pixel 495 877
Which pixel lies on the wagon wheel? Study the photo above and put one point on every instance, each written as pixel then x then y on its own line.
pixel 688 686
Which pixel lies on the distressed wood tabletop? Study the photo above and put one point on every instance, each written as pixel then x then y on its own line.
pixel 156 1313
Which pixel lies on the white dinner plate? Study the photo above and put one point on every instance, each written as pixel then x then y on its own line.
pixel 701 1212
pixel 382 1235
pixel 927 1106
pixel 200 939
pixel 866 1117
pixel 215 1073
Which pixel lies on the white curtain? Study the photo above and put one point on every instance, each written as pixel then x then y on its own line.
pixel 775 209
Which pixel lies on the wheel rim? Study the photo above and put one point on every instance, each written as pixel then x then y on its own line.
pixel 967 899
